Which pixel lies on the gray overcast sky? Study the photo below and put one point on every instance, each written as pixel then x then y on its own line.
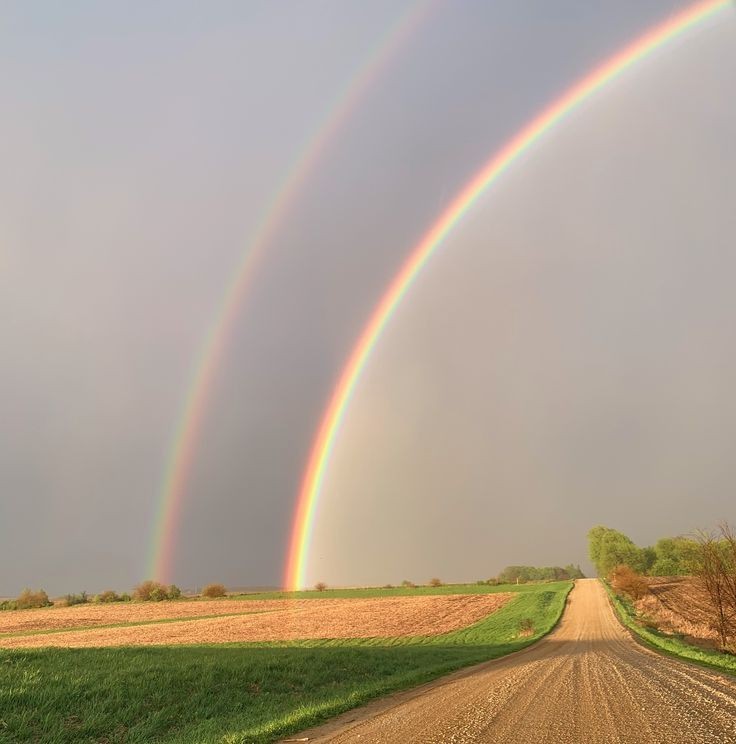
pixel 566 360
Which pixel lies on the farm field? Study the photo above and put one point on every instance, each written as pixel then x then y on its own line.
pixel 258 620
pixel 679 605
pixel 253 692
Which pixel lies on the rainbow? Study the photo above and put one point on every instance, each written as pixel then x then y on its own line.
pixel 329 428
pixel 181 451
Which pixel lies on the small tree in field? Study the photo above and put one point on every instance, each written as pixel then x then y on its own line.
pixel 408 584
pixel 320 586
pixel 214 590
pixel 435 582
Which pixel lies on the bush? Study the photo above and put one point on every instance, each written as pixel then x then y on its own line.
pixel 408 584
pixel 8 604
pixel 435 582
pixel 150 591
pixel 526 626
pixel 214 590
pixel 76 599
pixel 627 581
pixel 107 596
pixel 320 586
pixel 173 592
pixel 125 597
pixel 27 599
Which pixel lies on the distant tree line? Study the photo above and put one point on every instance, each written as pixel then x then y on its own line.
pixel 522 574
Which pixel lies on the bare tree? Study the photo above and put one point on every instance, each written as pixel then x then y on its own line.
pixel 717 573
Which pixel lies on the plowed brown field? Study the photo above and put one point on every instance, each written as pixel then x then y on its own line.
pixel 269 620
pixel 85 615
pixel 679 605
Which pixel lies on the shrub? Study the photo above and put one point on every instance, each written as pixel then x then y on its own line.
pixel 76 599
pixel 27 599
pixel 526 626
pixel 8 604
pixel 107 596
pixel 173 592
pixel 408 584
pixel 158 594
pixel 125 597
pixel 150 591
pixel 214 590
pixel 435 582
pixel 320 586
pixel 388 586
pixel 627 581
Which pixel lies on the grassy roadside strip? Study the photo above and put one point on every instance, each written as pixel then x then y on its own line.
pixel 239 693
pixel 671 645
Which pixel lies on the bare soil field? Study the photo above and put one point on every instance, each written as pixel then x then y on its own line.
pixel 85 615
pixel 270 620
pixel 679 605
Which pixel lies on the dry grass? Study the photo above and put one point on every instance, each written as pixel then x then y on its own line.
pixel 270 620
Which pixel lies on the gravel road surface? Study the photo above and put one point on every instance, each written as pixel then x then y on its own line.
pixel 588 681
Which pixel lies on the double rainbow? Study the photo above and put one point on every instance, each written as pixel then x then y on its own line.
pixel 329 428
pixel 183 445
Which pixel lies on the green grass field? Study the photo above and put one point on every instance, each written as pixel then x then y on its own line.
pixel 671 645
pixel 243 692
pixel 394 591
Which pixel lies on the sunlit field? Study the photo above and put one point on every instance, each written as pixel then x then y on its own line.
pixel 250 692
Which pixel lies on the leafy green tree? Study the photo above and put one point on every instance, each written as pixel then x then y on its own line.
pixel 675 556
pixel 609 548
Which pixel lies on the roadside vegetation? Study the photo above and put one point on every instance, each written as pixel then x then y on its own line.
pixel 679 595
pixel 247 692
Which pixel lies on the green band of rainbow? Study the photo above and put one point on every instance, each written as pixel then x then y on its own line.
pixel 324 441
pixel 184 442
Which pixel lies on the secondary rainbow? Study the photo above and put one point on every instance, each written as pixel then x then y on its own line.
pixel 308 498
pixel 183 444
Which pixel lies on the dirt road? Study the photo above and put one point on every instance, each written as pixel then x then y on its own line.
pixel 586 682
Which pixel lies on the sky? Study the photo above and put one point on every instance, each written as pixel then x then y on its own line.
pixel 565 360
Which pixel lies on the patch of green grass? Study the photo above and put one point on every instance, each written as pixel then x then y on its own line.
pixel 239 692
pixel 672 645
